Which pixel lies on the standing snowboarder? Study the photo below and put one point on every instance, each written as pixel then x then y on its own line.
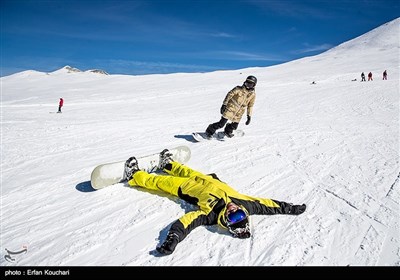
pixel 370 76
pixel 362 77
pixel 385 75
pixel 60 104
pixel 234 106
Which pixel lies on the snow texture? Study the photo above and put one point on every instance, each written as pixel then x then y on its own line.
pixel 333 145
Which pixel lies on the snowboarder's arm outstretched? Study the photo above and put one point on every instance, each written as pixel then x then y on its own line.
pixel 266 206
pixel 182 227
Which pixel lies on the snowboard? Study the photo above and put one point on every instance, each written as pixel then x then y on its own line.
pixel 201 136
pixel 112 173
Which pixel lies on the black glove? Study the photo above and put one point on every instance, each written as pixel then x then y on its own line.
pixel 223 108
pixel 169 244
pixel 248 120
pixel 297 209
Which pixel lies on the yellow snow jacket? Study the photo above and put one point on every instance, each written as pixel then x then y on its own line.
pixel 208 193
pixel 237 101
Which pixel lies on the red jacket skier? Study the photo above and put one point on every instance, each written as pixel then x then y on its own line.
pixel 60 104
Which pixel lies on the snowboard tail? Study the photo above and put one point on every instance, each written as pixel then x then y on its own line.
pixel 112 173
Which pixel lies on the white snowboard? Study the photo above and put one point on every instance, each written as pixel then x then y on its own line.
pixel 200 136
pixel 111 173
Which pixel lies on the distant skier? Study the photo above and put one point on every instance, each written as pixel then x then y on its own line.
pixel 362 77
pixel 60 104
pixel 234 106
pixel 370 76
pixel 218 203
pixel 385 75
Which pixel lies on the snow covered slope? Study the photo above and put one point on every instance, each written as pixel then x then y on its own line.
pixel 333 145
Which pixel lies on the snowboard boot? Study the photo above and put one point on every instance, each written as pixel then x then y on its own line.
pixel 210 131
pixel 165 158
pixel 208 135
pixel 131 166
pixel 229 128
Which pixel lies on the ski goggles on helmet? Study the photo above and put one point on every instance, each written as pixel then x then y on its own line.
pixel 249 84
pixel 235 217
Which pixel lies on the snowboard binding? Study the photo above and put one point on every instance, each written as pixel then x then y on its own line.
pixel 131 166
pixel 165 158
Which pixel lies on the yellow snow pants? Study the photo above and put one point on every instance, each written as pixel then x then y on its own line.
pixel 178 175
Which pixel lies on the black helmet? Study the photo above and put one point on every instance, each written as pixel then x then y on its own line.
pixel 240 229
pixel 250 82
pixel 251 79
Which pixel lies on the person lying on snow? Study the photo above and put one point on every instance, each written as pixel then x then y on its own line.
pixel 218 203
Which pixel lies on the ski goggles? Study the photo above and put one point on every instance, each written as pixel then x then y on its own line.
pixel 249 84
pixel 235 217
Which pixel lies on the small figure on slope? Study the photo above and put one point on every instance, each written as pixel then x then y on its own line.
pixel 60 104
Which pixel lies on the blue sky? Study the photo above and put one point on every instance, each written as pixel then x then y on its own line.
pixel 166 36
